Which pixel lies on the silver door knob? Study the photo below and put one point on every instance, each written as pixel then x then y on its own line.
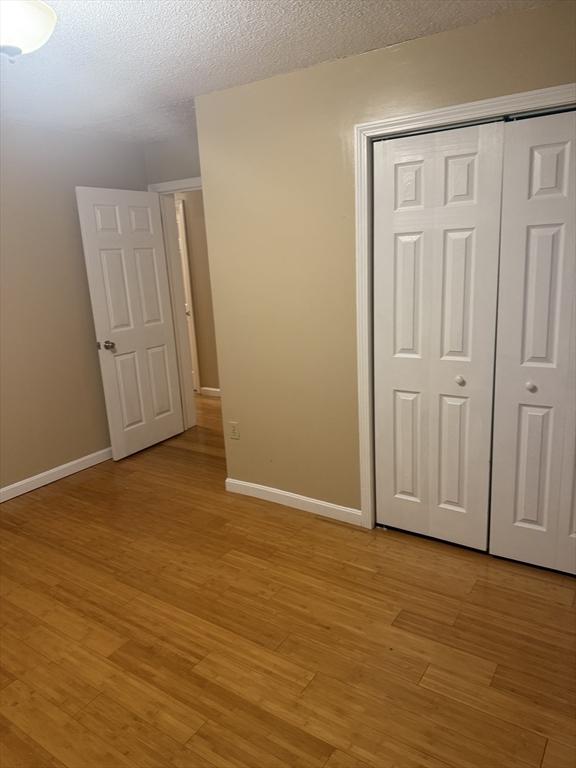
pixel 109 345
pixel 531 387
pixel 460 380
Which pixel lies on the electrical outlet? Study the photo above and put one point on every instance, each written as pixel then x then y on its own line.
pixel 234 433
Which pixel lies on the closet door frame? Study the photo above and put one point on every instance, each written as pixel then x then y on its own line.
pixel 558 97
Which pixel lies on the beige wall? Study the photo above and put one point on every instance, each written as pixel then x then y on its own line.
pixel 173 159
pixel 201 289
pixel 278 177
pixel 51 401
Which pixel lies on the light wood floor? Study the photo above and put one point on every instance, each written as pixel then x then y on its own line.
pixel 150 619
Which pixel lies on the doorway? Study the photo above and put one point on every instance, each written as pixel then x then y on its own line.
pixel 188 297
pixel 198 289
pixel 182 202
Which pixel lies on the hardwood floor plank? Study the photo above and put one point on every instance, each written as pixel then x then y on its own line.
pixel 561 592
pixel 485 639
pixel 17 750
pixel 69 692
pixel 537 610
pixel 223 746
pixel 292 746
pixel 70 623
pixel 17 657
pixel 14 619
pixel 145 700
pixel 340 759
pixel 553 695
pixel 532 716
pixel 56 732
pixel 349 666
pixel 414 717
pixel 180 678
pixel 559 756
pixel 134 737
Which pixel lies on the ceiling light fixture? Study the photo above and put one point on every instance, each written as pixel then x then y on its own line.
pixel 25 25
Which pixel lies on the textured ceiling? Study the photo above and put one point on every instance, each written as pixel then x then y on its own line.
pixel 131 68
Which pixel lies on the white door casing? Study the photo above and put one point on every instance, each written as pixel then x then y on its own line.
pixel 436 231
pixel 533 494
pixel 174 265
pixel 130 296
pixel 189 303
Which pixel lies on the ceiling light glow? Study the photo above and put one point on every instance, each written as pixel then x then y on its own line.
pixel 25 25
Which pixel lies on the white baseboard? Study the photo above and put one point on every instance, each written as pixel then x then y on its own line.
pixel 295 500
pixel 210 391
pixel 57 473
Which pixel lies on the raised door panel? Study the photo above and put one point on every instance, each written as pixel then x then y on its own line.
pixel 457 271
pixel 160 381
pixel 540 297
pixel 532 475
pixel 140 219
pixel 460 179
pixel 453 453
pixel 407 294
pixel 107 219
pixel 149 289
pixel 549 169
pixel 535 395
pixel 408 184
pixel 407 431
pixel 116 289
pixel 130 388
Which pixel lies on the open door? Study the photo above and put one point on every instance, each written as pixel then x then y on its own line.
pixel 130 295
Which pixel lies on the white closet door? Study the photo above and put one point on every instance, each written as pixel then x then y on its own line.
pixel 533 517
pixel 436 232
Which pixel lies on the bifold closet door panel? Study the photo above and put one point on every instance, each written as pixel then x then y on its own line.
pixel 436 237
pixel 533 494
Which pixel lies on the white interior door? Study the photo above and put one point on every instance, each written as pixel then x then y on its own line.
pixel 188 305
pixel 436 232
pixel 129 290
pixel 533 496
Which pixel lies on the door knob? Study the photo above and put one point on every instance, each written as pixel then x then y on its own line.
pixel 109 345
pixel 460 380
pixel 531 387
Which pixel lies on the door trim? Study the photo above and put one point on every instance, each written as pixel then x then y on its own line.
pixel 179 185
pixel 364 135
pixel 187 283
pixel 177 299
pixel 166 190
